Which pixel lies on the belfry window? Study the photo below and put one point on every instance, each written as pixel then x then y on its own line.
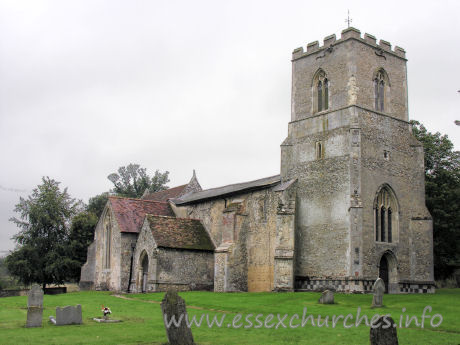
pixel 386 216
pixel 380 82
pixel 321 90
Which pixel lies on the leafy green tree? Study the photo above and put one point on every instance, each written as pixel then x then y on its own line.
pixel 132 181
pixel 41 254
pixel 80 237
pixel 97 203
pixel 442 181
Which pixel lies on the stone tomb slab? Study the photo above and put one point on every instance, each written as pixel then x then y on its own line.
pixel 106 320
pixel 35 307
pixel 385 334
pixel 173 305
pixel 327 297
pixel 69 315
pixel 35 298
pixel 379 289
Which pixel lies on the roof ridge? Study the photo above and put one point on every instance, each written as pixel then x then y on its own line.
pixel 160 216
pixel 234 184
pixel 164 190
pixel 124 197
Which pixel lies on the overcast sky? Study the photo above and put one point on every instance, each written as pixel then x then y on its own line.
pixel 89 86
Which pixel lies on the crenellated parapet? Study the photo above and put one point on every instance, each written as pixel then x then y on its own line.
pixel 350 33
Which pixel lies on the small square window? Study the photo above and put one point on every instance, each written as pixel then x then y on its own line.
pixel 386 155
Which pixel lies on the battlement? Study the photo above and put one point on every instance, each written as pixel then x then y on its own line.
pixel 349 33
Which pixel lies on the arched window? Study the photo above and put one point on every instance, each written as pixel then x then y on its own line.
pixel 380 83
pixel 108 240
pixel 386 213
pixel 321 90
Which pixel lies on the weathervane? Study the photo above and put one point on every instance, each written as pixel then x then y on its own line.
pixel 348 20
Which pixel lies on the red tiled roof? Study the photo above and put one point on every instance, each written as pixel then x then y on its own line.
pixel 179 233
pixel 164 195
pixel 130 213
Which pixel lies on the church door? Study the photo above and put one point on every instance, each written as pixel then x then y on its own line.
pixel 383 271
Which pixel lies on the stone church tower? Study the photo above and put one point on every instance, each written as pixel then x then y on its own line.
pixel 360 203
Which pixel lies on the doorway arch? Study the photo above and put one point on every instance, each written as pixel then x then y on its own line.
pixel 388 271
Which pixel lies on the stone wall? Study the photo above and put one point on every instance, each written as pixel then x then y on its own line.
pixel 323 193
pixel 169 268
pixel 403 171
pixel 350 66
pixel 110 278
pixel 335 234
pixel 128 242
pixel 145 246
pixel 243 227
pixel 179 267
pixel 88 270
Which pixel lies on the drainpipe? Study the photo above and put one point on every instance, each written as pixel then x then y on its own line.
pixel 133 245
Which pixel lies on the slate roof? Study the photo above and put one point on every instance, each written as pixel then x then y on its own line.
pixel 228 190
pixel 179 233
pixel 130 213
pixel 285 185
pixel 166 194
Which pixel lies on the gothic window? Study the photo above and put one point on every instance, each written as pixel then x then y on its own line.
pixel 108 241
pixel 321 91
pixel 386 215
pixel 380 84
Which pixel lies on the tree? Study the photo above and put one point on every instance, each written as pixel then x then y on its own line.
pixel 6 281
pixel 80 237
pixel 132 181
pixel 97 203
pixel 442 189
pixel 41 255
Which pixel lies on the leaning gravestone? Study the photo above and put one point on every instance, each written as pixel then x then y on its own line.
pixel 327 297
pixel 70 315
pixel 378 288
pixel 173 305
pixel 384 336
pixel 35 307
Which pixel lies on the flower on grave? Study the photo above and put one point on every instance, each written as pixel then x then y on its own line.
pixel 106 311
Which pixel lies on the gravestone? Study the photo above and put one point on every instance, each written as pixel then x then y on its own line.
pixel 35 307
pixel 327 297
pixel 384 336
pixel 378 288
pixel 69 315
pixel 173 305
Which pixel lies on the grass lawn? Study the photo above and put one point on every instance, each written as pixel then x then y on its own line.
pixel 143 323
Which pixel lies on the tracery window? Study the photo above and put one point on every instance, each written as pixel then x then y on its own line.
pixel 380 81
pixel 386 215
pixel 321 91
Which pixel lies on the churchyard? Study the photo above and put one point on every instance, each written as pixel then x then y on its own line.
pixel 142 321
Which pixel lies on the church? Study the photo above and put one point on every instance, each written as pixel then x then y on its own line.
pixel 347 207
